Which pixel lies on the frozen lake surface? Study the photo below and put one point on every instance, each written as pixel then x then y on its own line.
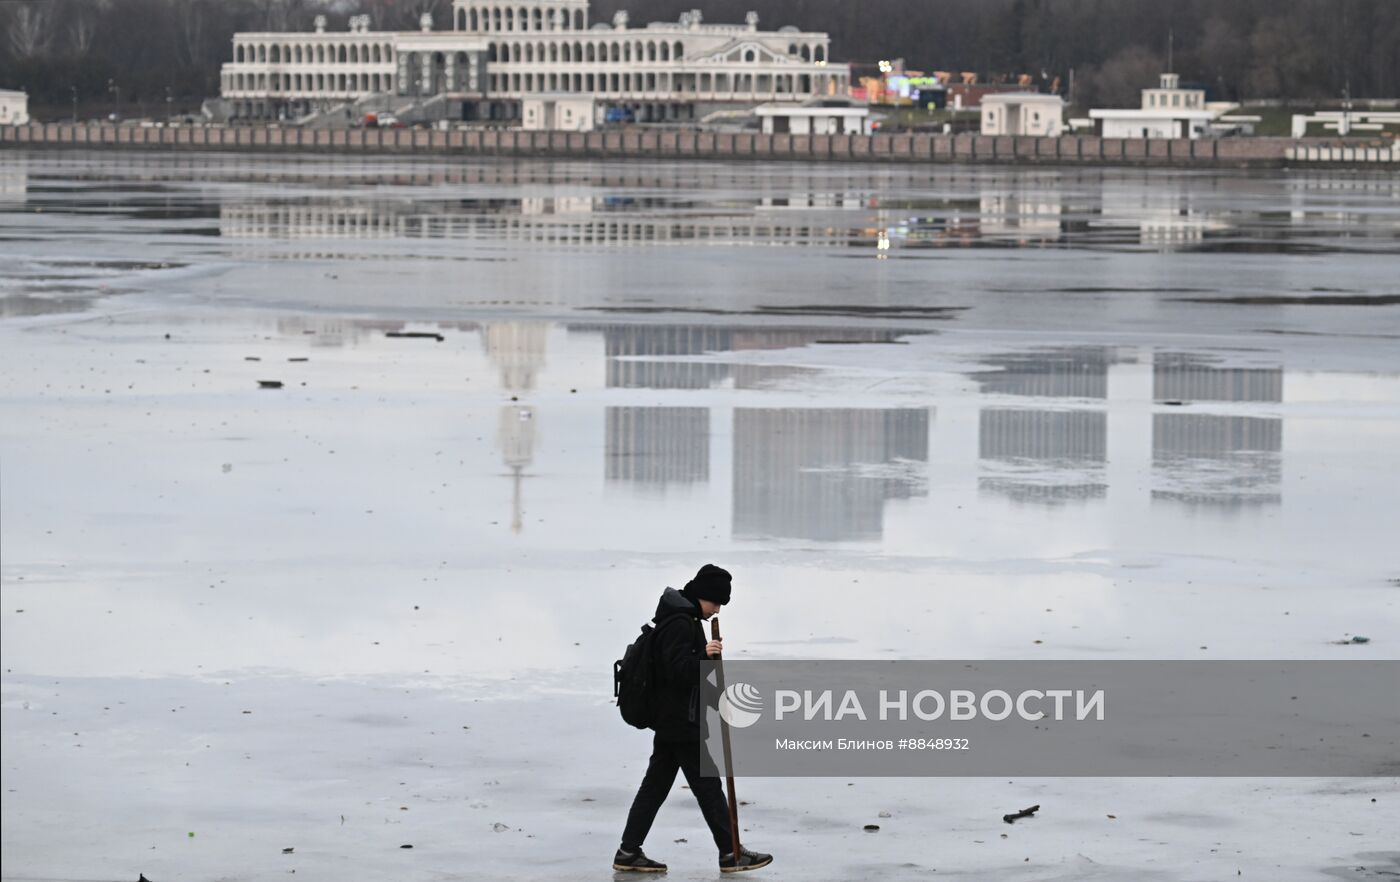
pixel 919 413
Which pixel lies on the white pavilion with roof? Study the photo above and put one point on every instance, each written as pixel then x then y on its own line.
pixel 1167 111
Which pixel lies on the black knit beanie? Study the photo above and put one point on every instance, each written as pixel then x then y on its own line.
pixel 711 583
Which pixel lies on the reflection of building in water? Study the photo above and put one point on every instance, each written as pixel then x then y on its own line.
pixel 1059 372
pixel 806 199
pixel 627 348
pixel 825 474
pixel 569 221
pixel 1357 206
pixel 1185 377
pixel 657 446
pixel 351 218
pixel 538 206
pixel 14 179
pixel 624 343
pixel 517 351
pixel 926 223
pixel 1034 214
pixel 1312 181
pixel 1210 459
pixel 21 305
pixel 516 438
pixel 1047 456
pixel 452 178
pixel 996 218
pixel 330 330
pixel 1165 217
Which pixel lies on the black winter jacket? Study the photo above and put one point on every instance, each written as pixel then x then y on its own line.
pixel 680 647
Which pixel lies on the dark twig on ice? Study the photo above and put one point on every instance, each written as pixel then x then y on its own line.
pixel 437 337
pixel 1023 813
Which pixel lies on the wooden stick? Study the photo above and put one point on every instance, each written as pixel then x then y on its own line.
pixel 728 756
pixel 1023 813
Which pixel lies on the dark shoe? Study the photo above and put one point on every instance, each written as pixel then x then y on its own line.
pixel 748 860
pixel 636 862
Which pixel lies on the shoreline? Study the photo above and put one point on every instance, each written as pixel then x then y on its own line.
pixel 1071 150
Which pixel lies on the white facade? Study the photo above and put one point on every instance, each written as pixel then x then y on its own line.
pixel 815 119
pixel 496 55
pixel 560 113
pixel 1167 111
pixel 1023 113
pixel 14 108
pixel 1144 124
pixel 1344 122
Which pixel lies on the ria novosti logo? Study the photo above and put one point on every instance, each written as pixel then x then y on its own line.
pixel 740 705
pixel 1049 717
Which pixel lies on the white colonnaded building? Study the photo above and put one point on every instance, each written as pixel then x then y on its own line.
pixel 498 55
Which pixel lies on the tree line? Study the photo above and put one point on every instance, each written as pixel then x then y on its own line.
pixel 155 54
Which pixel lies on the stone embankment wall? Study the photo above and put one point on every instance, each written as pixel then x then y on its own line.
pixel 659 144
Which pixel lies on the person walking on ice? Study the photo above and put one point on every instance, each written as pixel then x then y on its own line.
pixel 676 648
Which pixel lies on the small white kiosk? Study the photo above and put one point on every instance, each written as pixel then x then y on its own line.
pixel 1023 113
pixel 823 117
pixel 14 108
pixel 559 112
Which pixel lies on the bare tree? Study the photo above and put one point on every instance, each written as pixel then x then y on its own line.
pixel 1219 55
pixel 403 15
pixel 29 33
pixel 1119 81
pixel 1287 60
pixel 190 17
pixel 440 10
pixel 82 30
pixel 286 15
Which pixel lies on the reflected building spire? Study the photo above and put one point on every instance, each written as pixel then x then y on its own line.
pixel 515 435
pixel 517 349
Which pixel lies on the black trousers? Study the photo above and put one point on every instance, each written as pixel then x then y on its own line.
pixel 666 758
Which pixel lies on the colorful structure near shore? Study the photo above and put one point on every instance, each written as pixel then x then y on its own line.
pixel 498 56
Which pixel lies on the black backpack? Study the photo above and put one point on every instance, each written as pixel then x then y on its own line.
pixel 634 677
